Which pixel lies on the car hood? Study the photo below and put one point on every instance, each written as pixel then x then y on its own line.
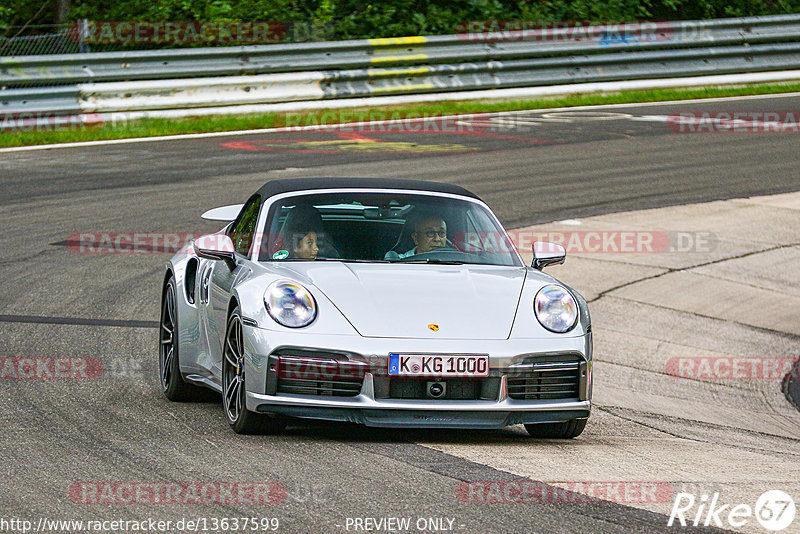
pixel 380 300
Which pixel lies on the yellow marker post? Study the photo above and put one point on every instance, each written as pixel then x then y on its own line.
pixel 402 88
pixel 386 59
pixel 398 72
pixel 390 41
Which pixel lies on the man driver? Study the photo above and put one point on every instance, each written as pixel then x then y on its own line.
pixel 430 232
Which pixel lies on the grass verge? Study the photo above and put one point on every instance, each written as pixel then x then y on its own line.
pixel 66 133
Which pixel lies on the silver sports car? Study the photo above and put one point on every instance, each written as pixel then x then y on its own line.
pixel 382 302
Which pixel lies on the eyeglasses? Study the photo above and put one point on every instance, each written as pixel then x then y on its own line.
pixel 430 234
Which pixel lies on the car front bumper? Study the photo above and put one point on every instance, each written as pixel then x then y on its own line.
pixel 367 410
pixel 374 410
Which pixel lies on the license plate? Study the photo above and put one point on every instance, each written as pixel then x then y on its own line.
pixel 439 365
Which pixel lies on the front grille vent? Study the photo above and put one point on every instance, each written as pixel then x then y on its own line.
pixel 319 377
pixel 323 388
pixel 545 381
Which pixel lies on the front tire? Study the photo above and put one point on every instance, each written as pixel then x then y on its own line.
pixel 566 430
pixel 241 420
pixel 172 383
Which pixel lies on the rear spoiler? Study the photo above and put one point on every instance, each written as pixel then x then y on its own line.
pixel 224 213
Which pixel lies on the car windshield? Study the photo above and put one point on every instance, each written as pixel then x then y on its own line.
pixel 384 227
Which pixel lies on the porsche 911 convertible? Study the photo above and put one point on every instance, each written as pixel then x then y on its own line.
pixel 390 303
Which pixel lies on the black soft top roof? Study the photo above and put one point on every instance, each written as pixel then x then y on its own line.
pixel 288 185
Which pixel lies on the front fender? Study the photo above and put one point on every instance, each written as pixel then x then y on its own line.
pixel 191 344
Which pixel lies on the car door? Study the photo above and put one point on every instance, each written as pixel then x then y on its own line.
pixel 223 278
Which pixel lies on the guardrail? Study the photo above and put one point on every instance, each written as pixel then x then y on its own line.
pixel 203 77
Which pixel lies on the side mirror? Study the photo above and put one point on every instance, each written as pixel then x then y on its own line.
pixel 225 213
pixel 546 253
pixel 216 247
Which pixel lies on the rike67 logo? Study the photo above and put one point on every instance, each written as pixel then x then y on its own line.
pixel 774 510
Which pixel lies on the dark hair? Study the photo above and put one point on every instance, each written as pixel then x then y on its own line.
pixel 418 218
pixel 300 220
pixel 303 219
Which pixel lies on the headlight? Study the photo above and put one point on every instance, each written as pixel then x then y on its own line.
pixel 555 309
pixel 290 304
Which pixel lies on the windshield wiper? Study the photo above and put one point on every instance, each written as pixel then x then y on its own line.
pixel 431 260
pixel 287 260
pixel 347 260
pixel 344 260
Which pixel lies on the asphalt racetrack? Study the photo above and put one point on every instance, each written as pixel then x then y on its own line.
pixel 61 436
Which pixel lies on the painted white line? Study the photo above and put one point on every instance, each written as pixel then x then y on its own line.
pixel 651 118
pixel 461 117
pixel 658 103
